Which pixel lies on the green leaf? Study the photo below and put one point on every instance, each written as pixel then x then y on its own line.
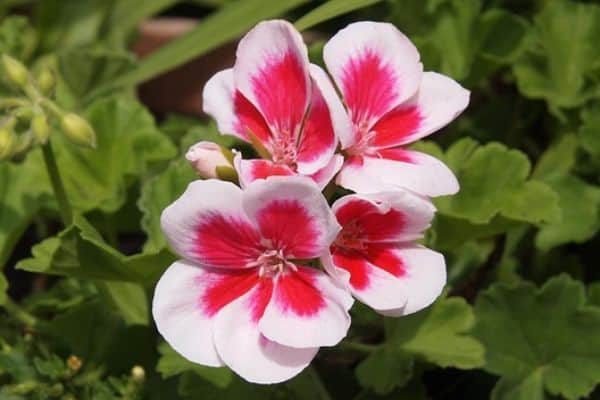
pixel 79 251
pixel 64 24
pixel 128 144
pixel 594 294
pixel 85 68
pixel 494 181
pixel 580 205
pixel 439 334
pixel 329 10
pixel 564 30
pixel 589 132
pixel 224 25
pixel 128 299
pixel 98 336
pixel 558 159
pixel 384 370
pixel 171 364
pixel 164 188
pixel 23 191
pixel 157 194
pixel 540 339
pixel 505 35
pixel 17 37
pixel 193 387
pixel 3 288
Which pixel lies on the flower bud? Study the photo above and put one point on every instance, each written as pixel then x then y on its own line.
pixel 15 70
pixel 208 159
pixel 7 143
pixel 46 81
pixel 23 144
pixel 78 130
pixel 137 373
pixel 40 128
pixel 74 363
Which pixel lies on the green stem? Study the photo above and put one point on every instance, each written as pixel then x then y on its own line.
pixel 11 102
pixel 364 348
pixel 19 314
pixel 64 206
pixel 321 389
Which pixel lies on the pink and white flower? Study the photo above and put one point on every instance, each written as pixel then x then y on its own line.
pixel 274 99
pixel 391 102
pixel 375 256
pixel 241 296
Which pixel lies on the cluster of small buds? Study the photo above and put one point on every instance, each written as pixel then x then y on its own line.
pixel 26 119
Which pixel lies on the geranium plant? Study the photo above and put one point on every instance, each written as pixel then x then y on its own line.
pixel 337 199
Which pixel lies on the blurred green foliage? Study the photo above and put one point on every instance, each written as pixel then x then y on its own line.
pixel 521 316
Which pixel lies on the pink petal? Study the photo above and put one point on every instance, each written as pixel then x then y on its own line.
pixel 307 310
pixel 271 71
pixel 370 284
pixel 246 351
pixel 323 176
pixel 208 226
pixel 438 102
pixel 342 126
pixel 180 318
pixel 317 141
pixel 292 215
pixel 393 280
pixel 375 66
pixel 234 114
pixel 398 168
pixel 251 170
pixel 385 216
pixel 423 279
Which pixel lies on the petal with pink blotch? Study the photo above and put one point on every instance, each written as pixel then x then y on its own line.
pixel 251 170
pixel 271 71
pixel 308 309
pixel 384 216
pixel 234 114
pixel 397 168
pixel 376 68
pixel 249 353
pixel 207 225
pixel 393 280
pixel 292 215
pixel 186 299
pixel 438 102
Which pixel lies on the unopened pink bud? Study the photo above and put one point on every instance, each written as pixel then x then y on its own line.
pixel 206 157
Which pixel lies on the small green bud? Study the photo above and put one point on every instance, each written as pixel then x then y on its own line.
pixel 40 128
pixel 137 373
pixel 78 130
pixel 23 143
pixel 15 70
pixel 7 143
pixel 46 81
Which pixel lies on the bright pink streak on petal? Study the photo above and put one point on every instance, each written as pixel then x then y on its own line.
pixel 370 87
pixel 262 169
pixel 384 257
pixel 353 262
pixel 224 287
pixel 397 154
pixel 260 299
pixel 289 227
pixel 297 293
pixel 226 241
pixel 396 127
pixel 281 92
pixel 250 119
pixel 317 136
pixel 362 220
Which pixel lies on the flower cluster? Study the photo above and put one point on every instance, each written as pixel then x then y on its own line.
pixel 269 268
